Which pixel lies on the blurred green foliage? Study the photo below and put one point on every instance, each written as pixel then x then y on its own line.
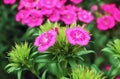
pixel 12 32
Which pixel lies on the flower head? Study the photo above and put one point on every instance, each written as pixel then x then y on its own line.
pixel 109 8
pixel 76 1
pixel 85 16
pixel 21 15
pixel 116 15
pixel 68 17
pixel 9 1
pixel 27 4
pixel 105 22
pixel 54 16
pixel 48 3
pixel 33 18
pixel 45 40
pixel 107 67
pixel 77 36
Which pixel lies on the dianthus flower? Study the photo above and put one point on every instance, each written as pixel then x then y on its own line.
pixel 109 8
pixel 60 3
pixel 27 4
pixel 33 18
pixel 68 16
pixel 54 16
pixel 76 1
pixel 94 8
pixel 48 3
pixel 21 15
pixel 85 16
pixel 77 36
pixel 116 15
pixel 105 22
pixel 9 1
pixel 45 40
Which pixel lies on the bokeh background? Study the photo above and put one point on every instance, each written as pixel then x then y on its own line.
pixel 12 32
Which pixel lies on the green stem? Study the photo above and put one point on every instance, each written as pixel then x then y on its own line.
pixel 32 69
pixel 35 73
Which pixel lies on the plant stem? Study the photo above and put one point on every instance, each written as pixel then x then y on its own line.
pixel 35 73
pixel 32 69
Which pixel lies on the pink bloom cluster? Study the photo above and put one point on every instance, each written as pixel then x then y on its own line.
pixel 77 36
pixel 112 15
pixel 32 12
pixel 45 40
pixel 9 1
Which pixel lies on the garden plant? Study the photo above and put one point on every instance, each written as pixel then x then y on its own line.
pixel 60 39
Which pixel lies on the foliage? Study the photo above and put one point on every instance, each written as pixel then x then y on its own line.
pixel 85 73
pixel 59 61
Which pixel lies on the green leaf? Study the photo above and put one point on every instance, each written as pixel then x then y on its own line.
pixel 72 63
pixel 64 78
pixel 55 68
pixel 43 58
pixel 84 52
pixel 107 50
pixel 19 73
pixel 44 74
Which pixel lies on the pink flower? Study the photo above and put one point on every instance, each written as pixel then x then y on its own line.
pixel 9 1
pixel 107 67
pixel 60 3
pixel 27 4
pixel 116 15
pixel 94 8
pixel 77 36
pixel 85 16
pixel 54 16
pixel 117 77
pixel 48 3
pixel 45 40
pixel 71 7
pixel 105 22
pixel 109 8
pixel 76 1
pixel 21 15
pixel 68 17
pixel 33 18
pixel 47 11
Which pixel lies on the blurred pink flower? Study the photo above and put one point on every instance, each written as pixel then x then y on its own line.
pixel 45 40
pixel 94 8
pixel 27 4
pixel 85 16
pixel 46 11
pixel 76 1
pixel 71 7
pixel 33 18
pixel 117 77
pixel 60 3
pixel 116 15
pixel 68 16
pixel 21 15
pixel 107 67
pixel 105 22
pixel 9 1
pixel 78 36
pixel 109 8
pixel 48 3
pixel 54 16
